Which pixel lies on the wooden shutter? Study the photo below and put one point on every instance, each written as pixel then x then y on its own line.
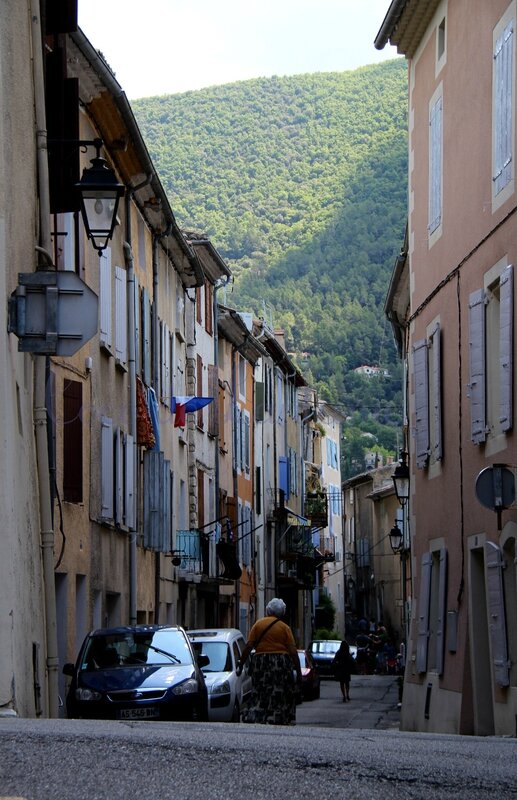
pixel 106 468
pixel 120 315
pixel 153 498
pixel 129 483
pixel 146 337
pixel 435 166
pixel 442 612
pixel 213 388
pixel 246 449
pixel 421 379
pixel 506 348
pixel 119 477
pixel 496 613
pixel 283 476
pixel 166 543
pixel 138 343
pixel 423 613
pixel 259 401
pixel 105 297
pixel 503 111
pixel 73 441
pixel 477 366
pixel 436 377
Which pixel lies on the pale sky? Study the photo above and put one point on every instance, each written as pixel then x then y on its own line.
pixel 167 46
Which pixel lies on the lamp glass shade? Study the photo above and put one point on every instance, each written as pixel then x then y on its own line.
pixel 401 480
pixel 100 194
pixel 396 539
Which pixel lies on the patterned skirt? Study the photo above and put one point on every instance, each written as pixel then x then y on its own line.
pixel 273 698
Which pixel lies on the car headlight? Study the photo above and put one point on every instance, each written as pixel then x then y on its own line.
pixel 187 687
pixel 87 695
pixel 221 688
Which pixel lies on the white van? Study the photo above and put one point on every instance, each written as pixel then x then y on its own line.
pixel 227 691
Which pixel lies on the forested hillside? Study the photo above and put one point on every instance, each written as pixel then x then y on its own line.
pixel 300 182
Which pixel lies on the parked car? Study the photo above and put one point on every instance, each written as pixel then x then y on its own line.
pixel 310 676
pixel 323 652
pixel 227 691
pixel 137 672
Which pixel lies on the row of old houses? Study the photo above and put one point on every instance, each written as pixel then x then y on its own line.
pixel 451 303
pixel 165 460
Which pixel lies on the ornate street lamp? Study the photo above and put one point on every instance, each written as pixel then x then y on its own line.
pixel 396 539
pixel 99 193
pixel 401 479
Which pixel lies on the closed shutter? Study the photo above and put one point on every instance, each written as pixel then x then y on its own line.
pixel 213 387
pixel 120 315
pixel 119 478
pixel 506 348
pixel 477 366
pixel 442 612
pixel 435 166
pixel 436 377
pixel 138 343
pixel 153 498
pixel 166 543
pixel 259 401
pixel 423 613
pixel 106 468
pixel 496 613
pixel 503 112
pixel 146 337
pixel 129 485
pixel 283 476
pixel 246 421
pixel 421 378
pixel 73 441
pixel 105 297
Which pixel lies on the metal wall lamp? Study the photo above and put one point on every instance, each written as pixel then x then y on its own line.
pixel 401 479
pixel 396 539
pixel 99 193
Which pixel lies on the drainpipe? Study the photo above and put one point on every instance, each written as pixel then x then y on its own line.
pixel 40 410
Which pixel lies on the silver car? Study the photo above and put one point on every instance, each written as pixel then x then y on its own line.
pixel 227 691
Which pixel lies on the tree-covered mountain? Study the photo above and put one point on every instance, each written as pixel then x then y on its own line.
pixel 300 182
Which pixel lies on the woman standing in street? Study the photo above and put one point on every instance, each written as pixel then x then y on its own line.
pixel 273 697
pixel 342 666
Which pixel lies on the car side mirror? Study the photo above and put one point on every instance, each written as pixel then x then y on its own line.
pixel 202 660
pixel 68 669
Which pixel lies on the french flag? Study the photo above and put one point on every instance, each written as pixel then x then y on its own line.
pixel 184 405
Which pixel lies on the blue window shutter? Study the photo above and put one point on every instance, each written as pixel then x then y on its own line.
pixel 153 499
pixel 503 112
pixel 442 612
pixel 477 366
pixel 283 475
pixel 496 613
pixel 421 377
pixel 436 373
pixel 435 165
pixel 506 348
pixel 105 298
pixel 423 613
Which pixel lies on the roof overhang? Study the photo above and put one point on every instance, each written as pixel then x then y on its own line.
pixel 405 24
pixel 396 305
pixel 231 325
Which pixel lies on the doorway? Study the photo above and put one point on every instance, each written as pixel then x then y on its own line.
pixel 480 644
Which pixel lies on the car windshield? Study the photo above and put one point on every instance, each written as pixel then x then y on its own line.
pixel 325 647
pixel 125 649
pixel 219 654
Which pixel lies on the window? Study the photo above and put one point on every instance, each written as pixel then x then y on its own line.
pixel 146 337
pixel 242 377
pixel 491 355
pixel 428 400
pixel 73 441
pixel 157 490
pixel 209 305
pixel 120 315
pixel 441 43
pixel 107 508
pixel 431 612
pixel 503 111
pixel 435 162
pixel 199 389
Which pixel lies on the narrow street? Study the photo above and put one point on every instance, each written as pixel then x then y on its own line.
pixel 373 705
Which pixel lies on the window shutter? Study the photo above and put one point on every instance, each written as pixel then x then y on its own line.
pixel 120 315
pixel 105 297
pixel 129 485
pixel 213 389
pixel 421 378
pixel 496 615
pixel 106 468
pixel 146 337
pixel 423 613
pixel 477 366
pixel 506 348
pixel 166 543
pixel 283 476
pixel 435 166
pixel 119 478
pixel 246 420
pixel 73 441
pixel 442 612
pixel 503 112
pixel 436 370
pixel 259 402
pixel 153 498
pixel 138 349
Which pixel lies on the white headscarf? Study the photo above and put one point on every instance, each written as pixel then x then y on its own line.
pixel 275 608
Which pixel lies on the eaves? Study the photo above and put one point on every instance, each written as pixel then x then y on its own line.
pixel 405 25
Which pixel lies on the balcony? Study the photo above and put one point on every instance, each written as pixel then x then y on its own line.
pixel 316 508
pixel 202 559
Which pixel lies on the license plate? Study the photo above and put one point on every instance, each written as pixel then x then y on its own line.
pixel 149 712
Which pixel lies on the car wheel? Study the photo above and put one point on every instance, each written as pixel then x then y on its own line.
pixel 236 715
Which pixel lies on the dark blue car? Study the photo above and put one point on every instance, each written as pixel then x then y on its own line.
pixel 137 672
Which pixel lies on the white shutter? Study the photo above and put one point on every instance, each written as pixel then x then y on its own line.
pixel 477 366
pixel 105 297
pixel 120 315
pixel 435 166
pixel 423 613
pixel 129 484
pixel 119 478
pixel 138 360
pixel 146 337
pixel 106 468
pixel 421 378
pixel 436 373
pixel 506 348
pixel 503 111
pixel 496 613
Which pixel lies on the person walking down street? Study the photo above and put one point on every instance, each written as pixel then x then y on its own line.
pixel 273 696
pixel 343 665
